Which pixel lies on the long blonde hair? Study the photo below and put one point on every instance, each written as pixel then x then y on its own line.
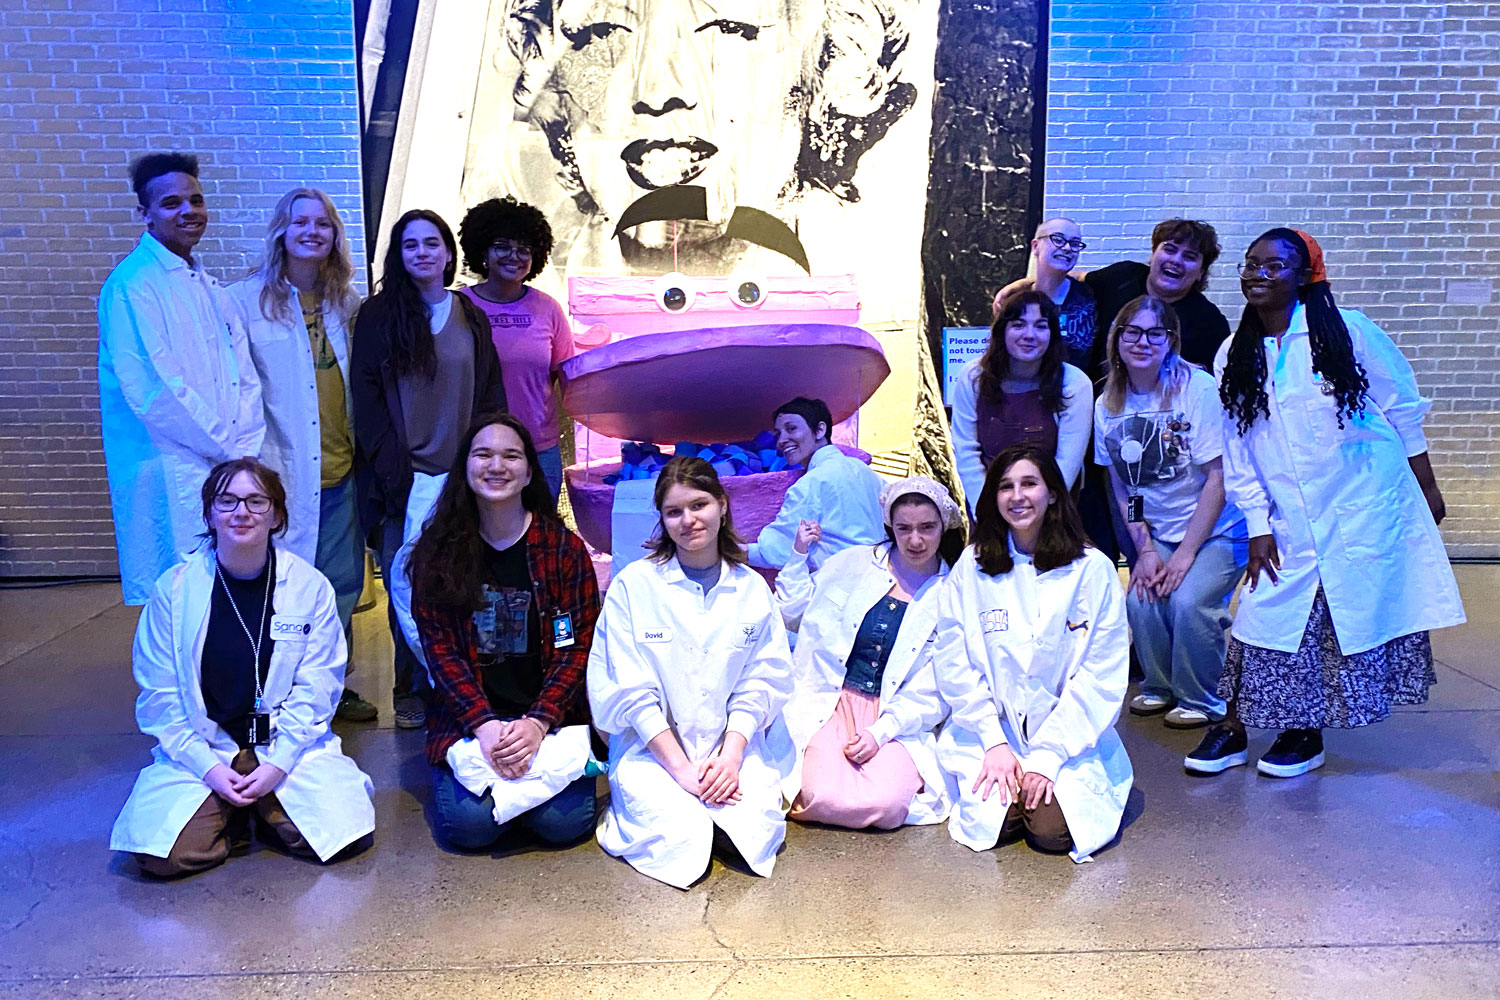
pixel 335 276
pixel 1175 369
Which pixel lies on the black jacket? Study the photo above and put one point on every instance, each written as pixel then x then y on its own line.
pixel 382 456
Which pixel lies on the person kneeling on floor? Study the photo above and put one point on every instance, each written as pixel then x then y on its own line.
pixel 240 658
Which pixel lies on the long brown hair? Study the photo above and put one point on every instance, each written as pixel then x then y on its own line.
pixel 1062 539
pixel 994 367
pixel 413 346
pixel 695 474
pixel 447 563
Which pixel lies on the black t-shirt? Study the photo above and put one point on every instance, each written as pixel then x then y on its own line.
pixel 509 633
pixel 1079 322
pixel 224 670
pixel 1203 326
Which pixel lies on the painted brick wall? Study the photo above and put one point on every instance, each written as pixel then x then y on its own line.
pixel 1374 126
pixel 264 93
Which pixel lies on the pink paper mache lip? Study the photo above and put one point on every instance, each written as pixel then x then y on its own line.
pixel 721 383
pixel 628 305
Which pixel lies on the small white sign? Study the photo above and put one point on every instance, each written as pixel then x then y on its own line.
pixel 961 344
pixel 1469 292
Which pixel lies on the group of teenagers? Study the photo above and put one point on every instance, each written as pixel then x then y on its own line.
pixel 916 662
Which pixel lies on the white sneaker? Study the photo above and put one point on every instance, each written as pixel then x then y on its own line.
pixel 1149 704
pixel 1187 718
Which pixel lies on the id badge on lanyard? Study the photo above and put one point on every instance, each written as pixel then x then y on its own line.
pixel 260 726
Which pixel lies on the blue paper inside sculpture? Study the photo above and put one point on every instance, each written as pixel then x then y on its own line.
pixel 644 460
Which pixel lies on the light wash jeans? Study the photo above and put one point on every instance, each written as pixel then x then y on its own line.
pixel 1180 640
pixel 341 554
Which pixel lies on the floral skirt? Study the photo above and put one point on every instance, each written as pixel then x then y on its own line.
pixel 1318 687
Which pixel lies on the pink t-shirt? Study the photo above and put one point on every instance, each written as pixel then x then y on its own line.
pixel 532 335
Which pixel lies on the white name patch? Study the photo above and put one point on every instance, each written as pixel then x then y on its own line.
pixel 995 620
pixel 659 633
pixel 290 628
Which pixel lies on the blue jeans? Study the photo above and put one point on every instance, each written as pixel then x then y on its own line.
pixel 551 463
pixel 467 822
pixel 341 555
pixel 1180 640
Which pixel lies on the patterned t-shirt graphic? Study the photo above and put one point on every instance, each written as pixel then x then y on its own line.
pixel 502 624
pixel 1151 447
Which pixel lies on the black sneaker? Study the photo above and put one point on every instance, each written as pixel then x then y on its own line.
pixel 1222 748
pixel 1296 751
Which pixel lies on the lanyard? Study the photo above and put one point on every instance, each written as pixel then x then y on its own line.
pixel 265 606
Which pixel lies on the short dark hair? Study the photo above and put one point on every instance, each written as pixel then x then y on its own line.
pixel 1198 235
pixel 504 219
pixel 694 473
pixel 814 411
pixel 267 478
pixel 1062 540
pixel 149 166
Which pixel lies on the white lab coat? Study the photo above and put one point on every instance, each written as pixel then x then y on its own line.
pixel 665 658
pixel 838 491
pixel 289 393
pixel 1343 504
pixel 827 611
pixel 324 793
pixel 1038 661
pixel 177 395
pixel 1074 425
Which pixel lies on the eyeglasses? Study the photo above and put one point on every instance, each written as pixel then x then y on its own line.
pixel 255 503
pixel 1155 336
pixel 500 249
pixel 1270 268
pixel 1060 241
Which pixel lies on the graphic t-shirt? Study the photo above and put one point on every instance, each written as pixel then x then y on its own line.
pixel 532 335
pixel 509 633
pixel 1079 323
pixel 1158 450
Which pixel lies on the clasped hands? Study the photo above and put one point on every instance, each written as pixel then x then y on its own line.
pixel 243 789
pixel 716 781
pixel 510 746
pixel 1001 770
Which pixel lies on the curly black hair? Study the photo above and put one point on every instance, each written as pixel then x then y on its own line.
pixel 504 219
pixel 1242 390
pixel 149 166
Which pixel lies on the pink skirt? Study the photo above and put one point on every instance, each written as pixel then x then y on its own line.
pixel 839 792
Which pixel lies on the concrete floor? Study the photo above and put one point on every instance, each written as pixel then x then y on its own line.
pixel 1378 876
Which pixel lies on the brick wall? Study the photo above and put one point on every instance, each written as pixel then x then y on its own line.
pixel 265 94
pixel 1374 126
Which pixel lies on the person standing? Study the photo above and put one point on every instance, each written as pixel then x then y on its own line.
pixel 1158 429
pixel 1021 392
pixel 177 390
pixel 1325 455
pixel 507 244
pixel 1055 250
pixel 1182 251
pixel 423 368
pixel 298 307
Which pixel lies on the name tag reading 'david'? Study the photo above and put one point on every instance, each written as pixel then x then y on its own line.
pixel 658 633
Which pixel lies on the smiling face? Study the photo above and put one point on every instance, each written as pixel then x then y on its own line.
pixel 1049 255
pixel 424 254
pixel 1141 356
pixel 795 441
pixel 174 212
pixel 691 519
pixel 497 469
pixel 507 261
pixel 1272 271
pixel 310 234
pixel 918 527
pixel 241 528
pixel 1027 336
pixel 1023 499
pixel 1176 270
pixel 630 103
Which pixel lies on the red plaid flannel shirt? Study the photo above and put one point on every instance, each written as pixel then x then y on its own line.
pixel 559 564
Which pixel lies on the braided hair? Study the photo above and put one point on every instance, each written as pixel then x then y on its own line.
pixel 1242 391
